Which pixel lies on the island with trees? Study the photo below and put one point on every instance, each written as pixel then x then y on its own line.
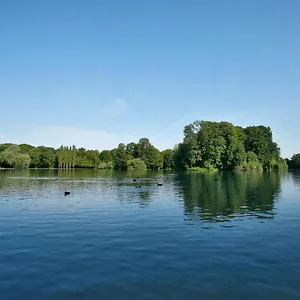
pixel 206 146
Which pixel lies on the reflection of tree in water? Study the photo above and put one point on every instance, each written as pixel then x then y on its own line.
pixel 144 198
pixel 225 195
pixel 295 174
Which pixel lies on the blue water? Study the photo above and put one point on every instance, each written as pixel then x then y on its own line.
pixel 220 236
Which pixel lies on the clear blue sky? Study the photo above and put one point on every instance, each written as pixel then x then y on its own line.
pixel 96 73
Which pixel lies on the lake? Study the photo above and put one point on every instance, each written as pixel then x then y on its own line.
pixel 228 235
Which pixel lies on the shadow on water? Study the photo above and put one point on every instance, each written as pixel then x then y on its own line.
pixel 227 195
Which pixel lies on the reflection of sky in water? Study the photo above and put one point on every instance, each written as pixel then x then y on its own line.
pixel 192 236
pixel 227 197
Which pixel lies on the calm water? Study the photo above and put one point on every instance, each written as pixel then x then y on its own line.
pixel 224 236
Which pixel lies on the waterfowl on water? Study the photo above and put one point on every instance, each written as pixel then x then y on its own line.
pixel 67 193
pixel 138 186
pixel 134 180
pixel 159 184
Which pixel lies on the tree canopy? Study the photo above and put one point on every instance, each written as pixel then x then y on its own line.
pixel 206 146
pixel 222 146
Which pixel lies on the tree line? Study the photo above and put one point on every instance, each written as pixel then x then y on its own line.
pixel 206 146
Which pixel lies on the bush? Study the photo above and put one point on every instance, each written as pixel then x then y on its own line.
pixel 105 165
pixel 136 164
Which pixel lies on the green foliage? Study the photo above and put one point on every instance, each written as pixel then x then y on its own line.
pixel 120 157
pixel 87 158
pixel 206 146
pixel 66 157
pixel 105 165
pixel 131 149
pixel 25 148
pixel 136 164
pixel 4 146
pixel 47 157
pixel 221 145
pixel 149 154
pixel 259 140
pixel 35 157
pixel 106 156
pixel 294 163
pixel 167 157
pixel 14 158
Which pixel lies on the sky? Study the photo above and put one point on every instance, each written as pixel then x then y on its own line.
pixel 99 73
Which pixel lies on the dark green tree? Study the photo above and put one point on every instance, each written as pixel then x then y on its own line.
pixel 121 157
pixel 149 154
pixel 47 157
pixel 167 157
pixel 131 149
pixel 106 156
pixel 294 163
pixel 259 140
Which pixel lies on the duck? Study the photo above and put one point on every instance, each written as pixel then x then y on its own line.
pixel 159 184
pixel 67 193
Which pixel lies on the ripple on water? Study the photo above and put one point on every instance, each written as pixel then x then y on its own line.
pixel 110 240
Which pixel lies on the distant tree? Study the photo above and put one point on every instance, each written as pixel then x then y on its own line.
pixel 92 157
pixel 106 156
pixel 104 165
pixel 149 154
pixel 5 146
pixel 66 157
pixel 35 157
pixel 47 157
pixel 167 157
pixel 259 140
pixel 13 157
pixel 294 163
pixel 25 148
pixel 136 164
pixel 121 157
pixel 131 149
pixel 221 145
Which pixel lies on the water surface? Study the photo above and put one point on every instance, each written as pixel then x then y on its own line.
pixel 227 235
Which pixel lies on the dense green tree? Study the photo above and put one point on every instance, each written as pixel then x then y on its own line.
pixel 93 157
pixel 47 157
pixel 35 157
pixel 33 153
pixel 191 148
pixel 294 163
pixel 132 149
pixel 13 157
pixel 26 148
pixel 136 164
pixel 106 156
pixel 221 145
pixel 81 159
pixel 149 154
pixel 259 140
pixel 167 157
pixel 87 158
pixel 121 157
pixel 66 157
pixel 4 146
pixel 206 146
